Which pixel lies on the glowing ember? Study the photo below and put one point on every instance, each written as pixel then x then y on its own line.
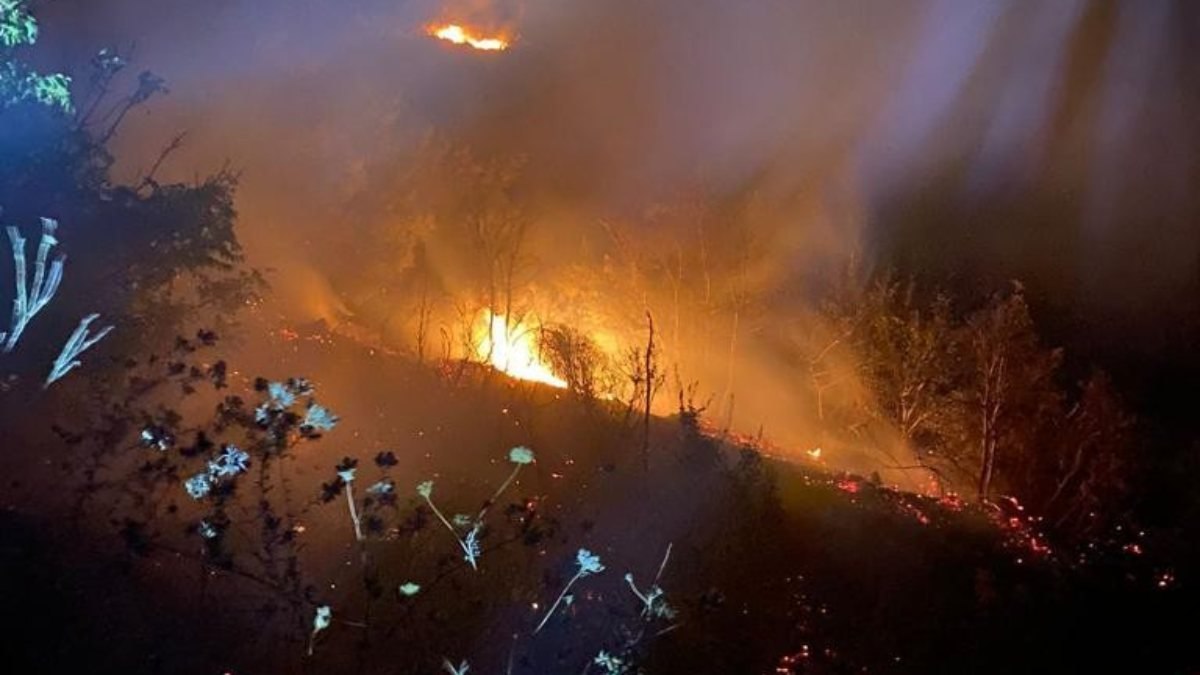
pixel 461 35
pixel 513 349
pixel 951 501
pixel 815 453
pixel 848 485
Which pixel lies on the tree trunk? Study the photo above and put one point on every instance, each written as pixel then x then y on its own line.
pixel 423 319
pixel 649 393
pixel 706 313
pixel 992 403
pixel 985 471
pixel 676 284
pixel 729 373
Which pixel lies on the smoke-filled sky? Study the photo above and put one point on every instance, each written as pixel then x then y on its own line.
pixel 974 140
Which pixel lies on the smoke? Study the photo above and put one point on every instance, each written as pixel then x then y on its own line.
pixel 992 139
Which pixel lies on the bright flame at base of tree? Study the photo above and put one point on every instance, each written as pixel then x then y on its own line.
pixel 460 35
pixel 513 349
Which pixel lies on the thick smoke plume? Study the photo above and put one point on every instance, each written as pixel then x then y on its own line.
pixel 741 154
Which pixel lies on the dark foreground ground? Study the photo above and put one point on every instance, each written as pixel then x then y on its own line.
pixel 774 568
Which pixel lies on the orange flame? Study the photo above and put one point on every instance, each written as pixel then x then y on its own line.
pixel 461 35
pixel 513 349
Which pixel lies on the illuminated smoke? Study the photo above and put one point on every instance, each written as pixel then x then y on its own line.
pixel 1031 140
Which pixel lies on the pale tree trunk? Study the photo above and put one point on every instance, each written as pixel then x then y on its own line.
pixel 985 472
pixel 676 285
pixel 649 392
pixel 706 314
pixel 992 404
pixel 423 319
pixel 817 374
pixel 730 366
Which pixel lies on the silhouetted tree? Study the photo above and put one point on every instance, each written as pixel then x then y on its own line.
pixel 146 254
pixel 1082 485
pixel 908 354
pixel 574 357
pixel 1007 383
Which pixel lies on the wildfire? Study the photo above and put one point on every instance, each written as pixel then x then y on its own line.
pixel 513 349
pixel 461 35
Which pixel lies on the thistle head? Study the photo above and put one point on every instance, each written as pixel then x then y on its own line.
pixel 383 487
pixel 198 486
pixel 611 664
pixel 520 455
pixel 589 563
pixel 280 395
pixel 346 468
pixel 232 461
pixel 425 488
pixel 322 618
pixel 319 418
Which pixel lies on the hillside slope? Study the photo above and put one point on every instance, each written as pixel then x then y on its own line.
pixel 772 567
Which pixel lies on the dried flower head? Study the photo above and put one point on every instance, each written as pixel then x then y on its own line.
pixel 425 488
pixel 611 664
pixel 322 618
pixel 319 418
pixel 383 487
pixel 280 395
pixel 520 455
pixel 198 486
pixel 589 563
pixel 232 461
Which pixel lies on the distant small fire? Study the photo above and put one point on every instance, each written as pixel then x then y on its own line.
pixel 462 35
pixel 513 349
